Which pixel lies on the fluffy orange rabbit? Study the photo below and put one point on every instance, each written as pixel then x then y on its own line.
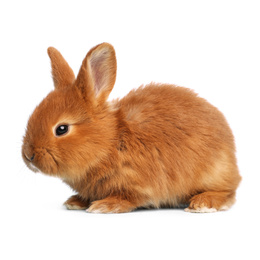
pixel 159 146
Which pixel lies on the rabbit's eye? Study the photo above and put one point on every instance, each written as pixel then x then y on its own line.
pixel 61 130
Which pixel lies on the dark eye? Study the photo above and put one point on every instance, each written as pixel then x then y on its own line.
pixel 61 130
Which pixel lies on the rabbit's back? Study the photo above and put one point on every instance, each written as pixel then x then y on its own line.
pixel 177 112
pixel 179 143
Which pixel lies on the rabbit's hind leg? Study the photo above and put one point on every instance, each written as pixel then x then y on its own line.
pixel 211 201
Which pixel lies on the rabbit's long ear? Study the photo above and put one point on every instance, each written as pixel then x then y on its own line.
pixel 97 74
pixel 62 74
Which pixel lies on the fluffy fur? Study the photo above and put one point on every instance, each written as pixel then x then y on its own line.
pixel 161 145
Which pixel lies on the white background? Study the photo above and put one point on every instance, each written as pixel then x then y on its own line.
pixel 209 46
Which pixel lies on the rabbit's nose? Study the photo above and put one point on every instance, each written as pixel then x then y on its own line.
pixel 32 157
pixel 29 157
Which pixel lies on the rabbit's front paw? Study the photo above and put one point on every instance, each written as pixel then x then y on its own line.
pixel 76 202
pixel 111 205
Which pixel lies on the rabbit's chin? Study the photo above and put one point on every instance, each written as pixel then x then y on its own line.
pixel 35 169
pixel 32 167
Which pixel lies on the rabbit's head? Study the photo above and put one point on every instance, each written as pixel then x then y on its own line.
pixel 71 129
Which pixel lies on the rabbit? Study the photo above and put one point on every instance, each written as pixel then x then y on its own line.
pixel 159 146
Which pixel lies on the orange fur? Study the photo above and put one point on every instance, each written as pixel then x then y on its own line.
pixel 161 145
pixel 76 202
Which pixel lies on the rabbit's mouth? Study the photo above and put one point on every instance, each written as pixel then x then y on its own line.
pixel 41 160
pixel 32 167
pixel 28 161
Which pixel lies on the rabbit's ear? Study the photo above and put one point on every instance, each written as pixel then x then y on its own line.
pixel 97 74
pixel 62 74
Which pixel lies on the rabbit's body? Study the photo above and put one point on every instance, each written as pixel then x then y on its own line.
pixel 160 145
pixel 159 158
